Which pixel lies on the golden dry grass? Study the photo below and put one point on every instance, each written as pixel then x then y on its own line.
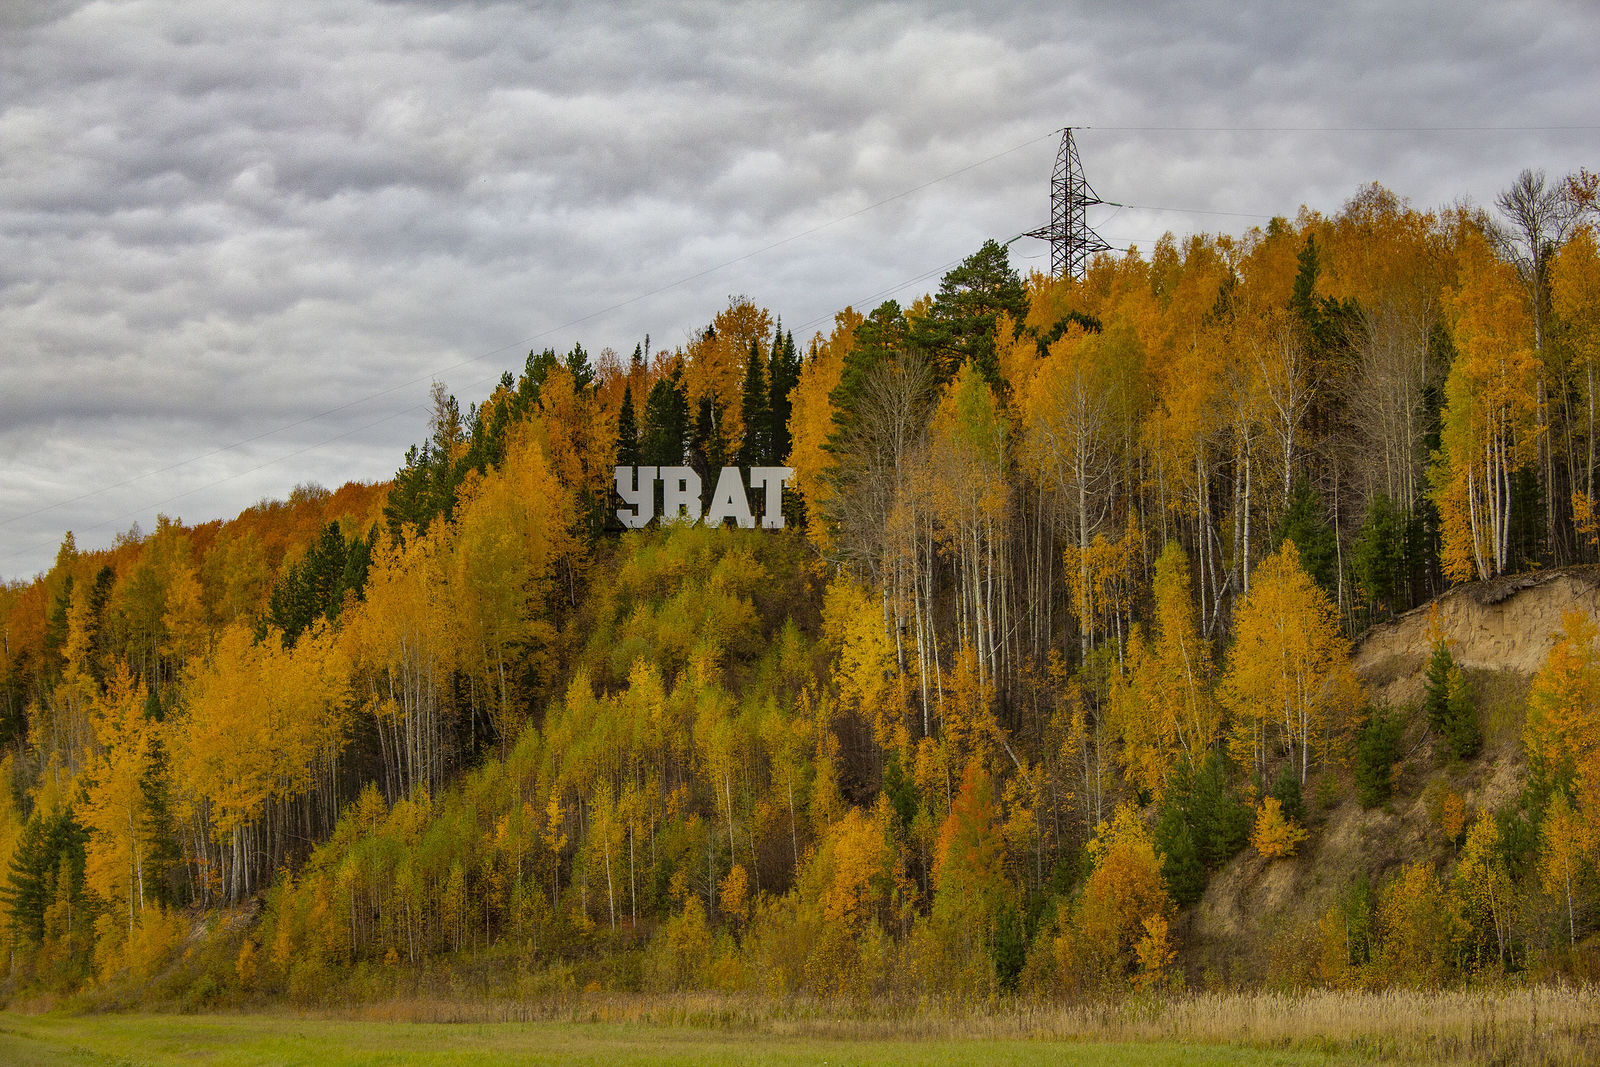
pixel 1521 1025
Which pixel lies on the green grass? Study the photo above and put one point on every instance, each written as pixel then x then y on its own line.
pixel 105 1040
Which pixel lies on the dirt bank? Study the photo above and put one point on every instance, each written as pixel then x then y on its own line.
pixel 1258 917
pixel 1509 624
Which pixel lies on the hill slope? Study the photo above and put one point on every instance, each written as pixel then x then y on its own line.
pixel 1258 918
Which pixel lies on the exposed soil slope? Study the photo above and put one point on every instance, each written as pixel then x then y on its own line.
pixel 1258 918
pixel 1508 624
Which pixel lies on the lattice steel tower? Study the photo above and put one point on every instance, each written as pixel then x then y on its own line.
pixel 1072 242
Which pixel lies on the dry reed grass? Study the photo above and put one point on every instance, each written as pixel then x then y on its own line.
pixel 1507 1025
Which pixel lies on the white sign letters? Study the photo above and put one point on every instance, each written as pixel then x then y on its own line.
pixel 680 496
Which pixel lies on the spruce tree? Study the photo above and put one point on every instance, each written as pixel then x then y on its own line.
pixel 1181 868
pixel 879 339
pixel 783 374
pixel 1379 557
pixel 627 431
pixel 577 364
pixel 48 863
pixel 1305 522
pixel 1377 749
pixel 666 424
pixel 755 448
pixel 163 859
pixel 1460 726
pixel 1436 687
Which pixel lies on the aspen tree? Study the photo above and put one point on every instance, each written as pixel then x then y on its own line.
pixel 1288 671
pixel 1490 425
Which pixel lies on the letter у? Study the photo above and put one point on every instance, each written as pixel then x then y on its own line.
pixel 773 478
pixel 637 488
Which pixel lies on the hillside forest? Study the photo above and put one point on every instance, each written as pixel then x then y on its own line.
pixel 1059 628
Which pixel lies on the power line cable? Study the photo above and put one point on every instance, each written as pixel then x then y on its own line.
pixel 220 481
pixel 1344 129
pixel 684 280
pixel 518 345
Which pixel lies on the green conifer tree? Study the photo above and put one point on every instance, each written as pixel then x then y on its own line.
pixel 755 447
pixel 627 431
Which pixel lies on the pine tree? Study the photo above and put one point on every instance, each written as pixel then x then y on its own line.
pixel 961 324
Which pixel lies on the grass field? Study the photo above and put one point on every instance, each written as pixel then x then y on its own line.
pixel 1537 1025
pixel 49 1040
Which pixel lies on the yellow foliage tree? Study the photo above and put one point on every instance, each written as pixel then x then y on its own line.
pixel 1575 298
pixel 1103 580
pixel 811 423
pixel 970 887
pixel 969 494
pixel 402 644
pixel 733 894
pixel 1490 427
pixel 1068 411
pixel 1483 892
pixel 261 724
pixel 1562 732
pixel 1124 907
pixel 511 524
pixel 114 800
pixel 1568 846
pixel 1289 667
pixel 1275 835
pixel 853 870
pixel 1415 926
pixel 865 669
pixel 1561 736
pixel 1163 708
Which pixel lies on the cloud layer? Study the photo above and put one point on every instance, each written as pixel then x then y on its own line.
pixel 237 240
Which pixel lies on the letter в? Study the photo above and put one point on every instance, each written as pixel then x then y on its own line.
pixel 680 495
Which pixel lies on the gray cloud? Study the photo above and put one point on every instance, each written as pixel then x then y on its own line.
pixel 253 225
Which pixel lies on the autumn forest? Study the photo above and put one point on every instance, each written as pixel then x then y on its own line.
pixel 1059 630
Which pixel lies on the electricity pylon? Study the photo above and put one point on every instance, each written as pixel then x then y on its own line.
pixel 1072 242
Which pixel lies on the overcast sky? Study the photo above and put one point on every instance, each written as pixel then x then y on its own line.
pixel 238 239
